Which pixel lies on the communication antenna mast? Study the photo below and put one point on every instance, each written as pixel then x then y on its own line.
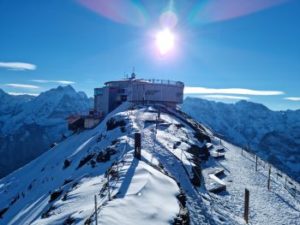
pixel 133 74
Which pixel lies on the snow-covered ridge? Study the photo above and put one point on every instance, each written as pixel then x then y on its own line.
pixel 273 135
pixel 161 188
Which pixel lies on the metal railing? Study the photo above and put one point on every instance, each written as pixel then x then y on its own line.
pixel 168 82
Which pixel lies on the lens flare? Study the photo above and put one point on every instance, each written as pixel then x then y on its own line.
pixel 221 10
pixel 165 41
pixel 120 11
pixel 168 19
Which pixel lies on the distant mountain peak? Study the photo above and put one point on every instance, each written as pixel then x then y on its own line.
pixel 2 92
pixel 245 103
pixel 65 88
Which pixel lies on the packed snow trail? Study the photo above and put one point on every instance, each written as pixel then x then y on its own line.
pixel 198 214
pixel 264 204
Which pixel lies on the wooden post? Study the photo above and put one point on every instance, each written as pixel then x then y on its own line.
pixel 117 170
pixel 96 213
pixel 269 179
pixel 255 162
pixel 108 187
pixel 285 181
pixel 137 145
pixel 246 206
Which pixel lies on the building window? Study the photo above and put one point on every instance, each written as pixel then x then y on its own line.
pixel 121 91
pixel 99 91
pixel 123 98
pixel 151 92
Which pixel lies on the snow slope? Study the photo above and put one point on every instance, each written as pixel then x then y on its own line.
pixel 273 135
pixel 162 188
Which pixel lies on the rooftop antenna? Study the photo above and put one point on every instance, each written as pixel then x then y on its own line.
pixel 133 74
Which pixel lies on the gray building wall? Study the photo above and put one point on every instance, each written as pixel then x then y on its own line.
pixel 155 92
pixel 132 90
pixel 101 100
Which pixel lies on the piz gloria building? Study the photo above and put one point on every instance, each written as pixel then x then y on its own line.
pixel 107 98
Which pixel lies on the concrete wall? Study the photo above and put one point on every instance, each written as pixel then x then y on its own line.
pixel 101 100
pixel 157 93
pixel 116 92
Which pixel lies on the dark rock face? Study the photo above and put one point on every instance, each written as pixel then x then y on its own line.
pixel 272 135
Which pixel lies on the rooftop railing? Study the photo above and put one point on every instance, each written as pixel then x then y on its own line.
pixel 160 81
pixel 152 81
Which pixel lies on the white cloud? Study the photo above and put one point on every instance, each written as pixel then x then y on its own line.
pixel 23 93
pixel 54 81
pixel 24 86
pixel 234 91
pixel 17 66
pixel 295 99
pixel 225 97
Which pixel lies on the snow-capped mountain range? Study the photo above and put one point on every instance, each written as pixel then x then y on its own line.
pixel 29 125
pixel 272 135
pixel 185 175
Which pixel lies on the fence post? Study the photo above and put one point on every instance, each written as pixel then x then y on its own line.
pixel 269 179
pixel 108 187
pixel 255 162
pixel 96 213
pixel 285 181
pixel 246 206
pixel 137 145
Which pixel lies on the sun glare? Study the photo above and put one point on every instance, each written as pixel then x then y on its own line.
pixel 165 41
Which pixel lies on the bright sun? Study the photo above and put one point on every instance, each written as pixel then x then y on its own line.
pixel 165 41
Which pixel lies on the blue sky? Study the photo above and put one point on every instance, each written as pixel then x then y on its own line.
pixel 227 50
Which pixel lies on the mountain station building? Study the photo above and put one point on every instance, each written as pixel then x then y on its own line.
pixel 138 91
pixel 109 97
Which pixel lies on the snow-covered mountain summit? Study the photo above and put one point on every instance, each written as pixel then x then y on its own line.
pixel 176 181
pixel 273 135
pixel 50 106
pixel 28 125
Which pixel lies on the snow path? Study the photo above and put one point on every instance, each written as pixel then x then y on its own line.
pixel 174 166
pixel 276 206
